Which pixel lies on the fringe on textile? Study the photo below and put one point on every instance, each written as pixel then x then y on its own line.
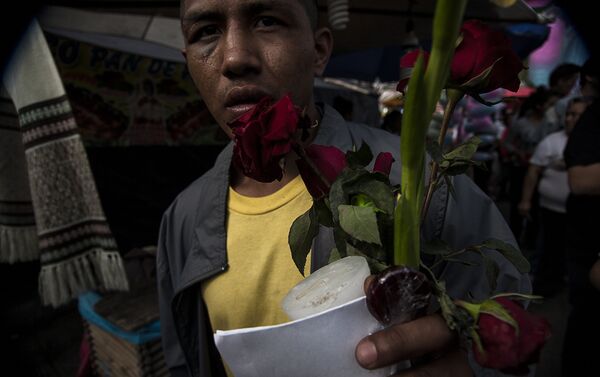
pixel 95 270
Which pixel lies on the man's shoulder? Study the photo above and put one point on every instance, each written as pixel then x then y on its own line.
pixel 379 140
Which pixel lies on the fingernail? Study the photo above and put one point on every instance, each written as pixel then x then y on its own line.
pixel 366 353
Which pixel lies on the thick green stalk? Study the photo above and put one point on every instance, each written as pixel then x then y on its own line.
pixel 424 90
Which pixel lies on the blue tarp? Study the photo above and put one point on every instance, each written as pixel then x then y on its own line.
pixel 142 335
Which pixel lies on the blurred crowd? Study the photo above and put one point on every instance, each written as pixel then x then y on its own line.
pixel 523 135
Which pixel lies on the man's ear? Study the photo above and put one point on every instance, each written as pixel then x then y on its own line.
pixel 184 53
pixel 323 48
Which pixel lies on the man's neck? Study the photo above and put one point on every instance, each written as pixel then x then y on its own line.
pixel 249 187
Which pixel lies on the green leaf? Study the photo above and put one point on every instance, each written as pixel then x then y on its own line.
pixel 338 194
pixel 380 193
pixel 303 231
pixel 374 265
pixel 463 152
pixel 491 271
pixel 334 255
pixel 360 223
pixel 363 200
pixel 359 158
pixel 496 310
pixel 323 212
pixel 509 252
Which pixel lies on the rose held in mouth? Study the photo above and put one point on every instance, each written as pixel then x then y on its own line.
pixel 263 137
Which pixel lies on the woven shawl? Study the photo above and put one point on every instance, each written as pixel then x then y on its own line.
pixel 76 248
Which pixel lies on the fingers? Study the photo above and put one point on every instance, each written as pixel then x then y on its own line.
pixel 453 364
pixel 405 341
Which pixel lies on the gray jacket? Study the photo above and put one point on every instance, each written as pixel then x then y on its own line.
pixel 192 245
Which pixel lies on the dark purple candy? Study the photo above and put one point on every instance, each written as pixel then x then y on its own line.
pixel 398 294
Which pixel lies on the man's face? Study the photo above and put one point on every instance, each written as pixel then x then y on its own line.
pixel 238 51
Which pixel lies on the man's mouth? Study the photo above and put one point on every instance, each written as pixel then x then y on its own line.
pixel 242 98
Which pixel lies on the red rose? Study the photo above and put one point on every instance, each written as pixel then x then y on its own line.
pixel 480 48
pixel 263 136
pixel 505 343
pixel 329 161
pixel 407 62
pixel 383 163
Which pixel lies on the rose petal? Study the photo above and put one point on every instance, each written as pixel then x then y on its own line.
pixel 263 137
pixel 407 62
pixel 330 162
pixel 383 163
pixel 505 348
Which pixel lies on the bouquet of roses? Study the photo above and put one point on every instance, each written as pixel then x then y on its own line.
pixel 370 217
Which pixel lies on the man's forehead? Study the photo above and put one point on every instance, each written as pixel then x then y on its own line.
pixel 239 3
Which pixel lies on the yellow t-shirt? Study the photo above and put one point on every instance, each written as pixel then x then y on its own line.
pixel 261 270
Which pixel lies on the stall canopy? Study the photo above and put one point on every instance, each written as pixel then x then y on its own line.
pixel 368 48
pixel 372 23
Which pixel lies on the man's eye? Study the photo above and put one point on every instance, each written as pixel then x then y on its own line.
pixel 267 22
pixel 206 32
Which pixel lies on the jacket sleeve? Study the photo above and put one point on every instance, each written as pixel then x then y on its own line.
pixel 472 218
pixel 469 219
pixel 172 351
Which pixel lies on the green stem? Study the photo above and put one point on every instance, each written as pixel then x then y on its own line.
pixel 472 309
pixel 424 91
pixel 454 96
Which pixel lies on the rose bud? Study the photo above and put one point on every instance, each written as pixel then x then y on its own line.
pixel 398 294
pixel 506 336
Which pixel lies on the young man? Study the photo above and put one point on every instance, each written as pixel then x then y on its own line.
pixel 223 259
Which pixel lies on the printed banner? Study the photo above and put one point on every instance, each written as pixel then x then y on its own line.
pixel 122 99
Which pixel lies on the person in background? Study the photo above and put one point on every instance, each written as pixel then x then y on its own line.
pixel 547 172
pixel 530 127
pixel 563 80
pixel 582 156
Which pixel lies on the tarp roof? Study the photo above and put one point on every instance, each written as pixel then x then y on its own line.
pixel 373 23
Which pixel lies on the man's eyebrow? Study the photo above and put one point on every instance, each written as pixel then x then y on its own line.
pixel 200 15
pixel 252 8
pixel 249 8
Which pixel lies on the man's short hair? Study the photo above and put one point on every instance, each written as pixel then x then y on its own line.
pixel 563 71
pixel 311 7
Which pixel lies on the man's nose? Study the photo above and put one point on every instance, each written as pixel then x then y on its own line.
pixel 240 54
